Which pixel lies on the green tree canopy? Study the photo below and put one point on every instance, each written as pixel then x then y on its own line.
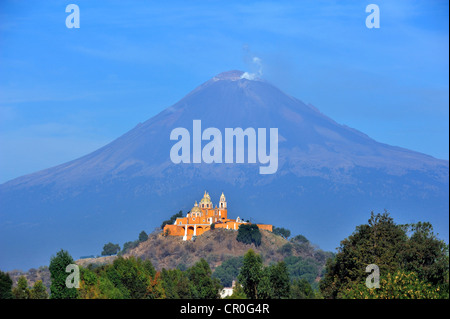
pixel 21 291
pixel 251 274
pixel 301 289
pixel 110 249
pixel 425 254
pixel 5 286
pixel 143 236
pixel 238 293
pixel 249 234
pixel 228 270
pixel 38 291
pixel 387 245
pixel 176 284
pixel 280 281
pixel 400 285
pixel 131 276
pixel 58 276
pixel 300 239
pixel 283 232
pixel 129 245
pixel 204 286
pixel 172 219
pixel 97 286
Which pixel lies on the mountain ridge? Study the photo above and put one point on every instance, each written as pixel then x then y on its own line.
pixel 233 75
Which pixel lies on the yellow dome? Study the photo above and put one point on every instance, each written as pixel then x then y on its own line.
pixel 195 209
pixel 206 199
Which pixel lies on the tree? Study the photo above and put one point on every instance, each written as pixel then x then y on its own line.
pixel 228 270
pixel 251 273
pixel 286 249
pixel 238 292
pixel 96 285
pixel 300 239
pixel 204 286
pixel 89 285
pixel 155 289
pixel 175 284
pixel 129 245
pixel 38 291
pixel 110 249
pixel 249 234
pixel 386 244
pixel 131 276
pixel 301 289
pixel 58 276
pixel 279 279
pixel 303 268
pixel 172 219
pixel 143 236
pixel 425 254
pixel 379 242
pixel 274 282
pixel 283 232
pixel 5 286
pixel 264 288
pixel 21 291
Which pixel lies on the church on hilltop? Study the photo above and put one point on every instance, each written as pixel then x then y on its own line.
pixel 202 216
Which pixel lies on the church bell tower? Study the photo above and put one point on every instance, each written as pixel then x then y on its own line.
pixel 222 202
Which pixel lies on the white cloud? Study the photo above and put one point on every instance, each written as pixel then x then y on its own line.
pixel 258 74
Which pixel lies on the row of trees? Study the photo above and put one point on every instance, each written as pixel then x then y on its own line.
pixel 412 261
pixel 299 269
pixel 133 278
pixel 22 290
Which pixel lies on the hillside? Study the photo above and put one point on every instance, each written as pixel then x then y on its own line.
pixel 219 245
pixel 216 247
pixel 32 275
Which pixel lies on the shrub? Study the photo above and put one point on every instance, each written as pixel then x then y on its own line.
pixel 286 249
pixel 283 232
pixel 172 219
pixel 249 234
pixel 228 270
pixel 110 249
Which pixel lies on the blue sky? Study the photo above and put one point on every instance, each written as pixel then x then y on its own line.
pixel 66 92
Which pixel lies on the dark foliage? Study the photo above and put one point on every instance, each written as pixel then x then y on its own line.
pixel 249 234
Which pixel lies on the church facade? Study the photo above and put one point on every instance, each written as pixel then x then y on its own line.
pixel 202 216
